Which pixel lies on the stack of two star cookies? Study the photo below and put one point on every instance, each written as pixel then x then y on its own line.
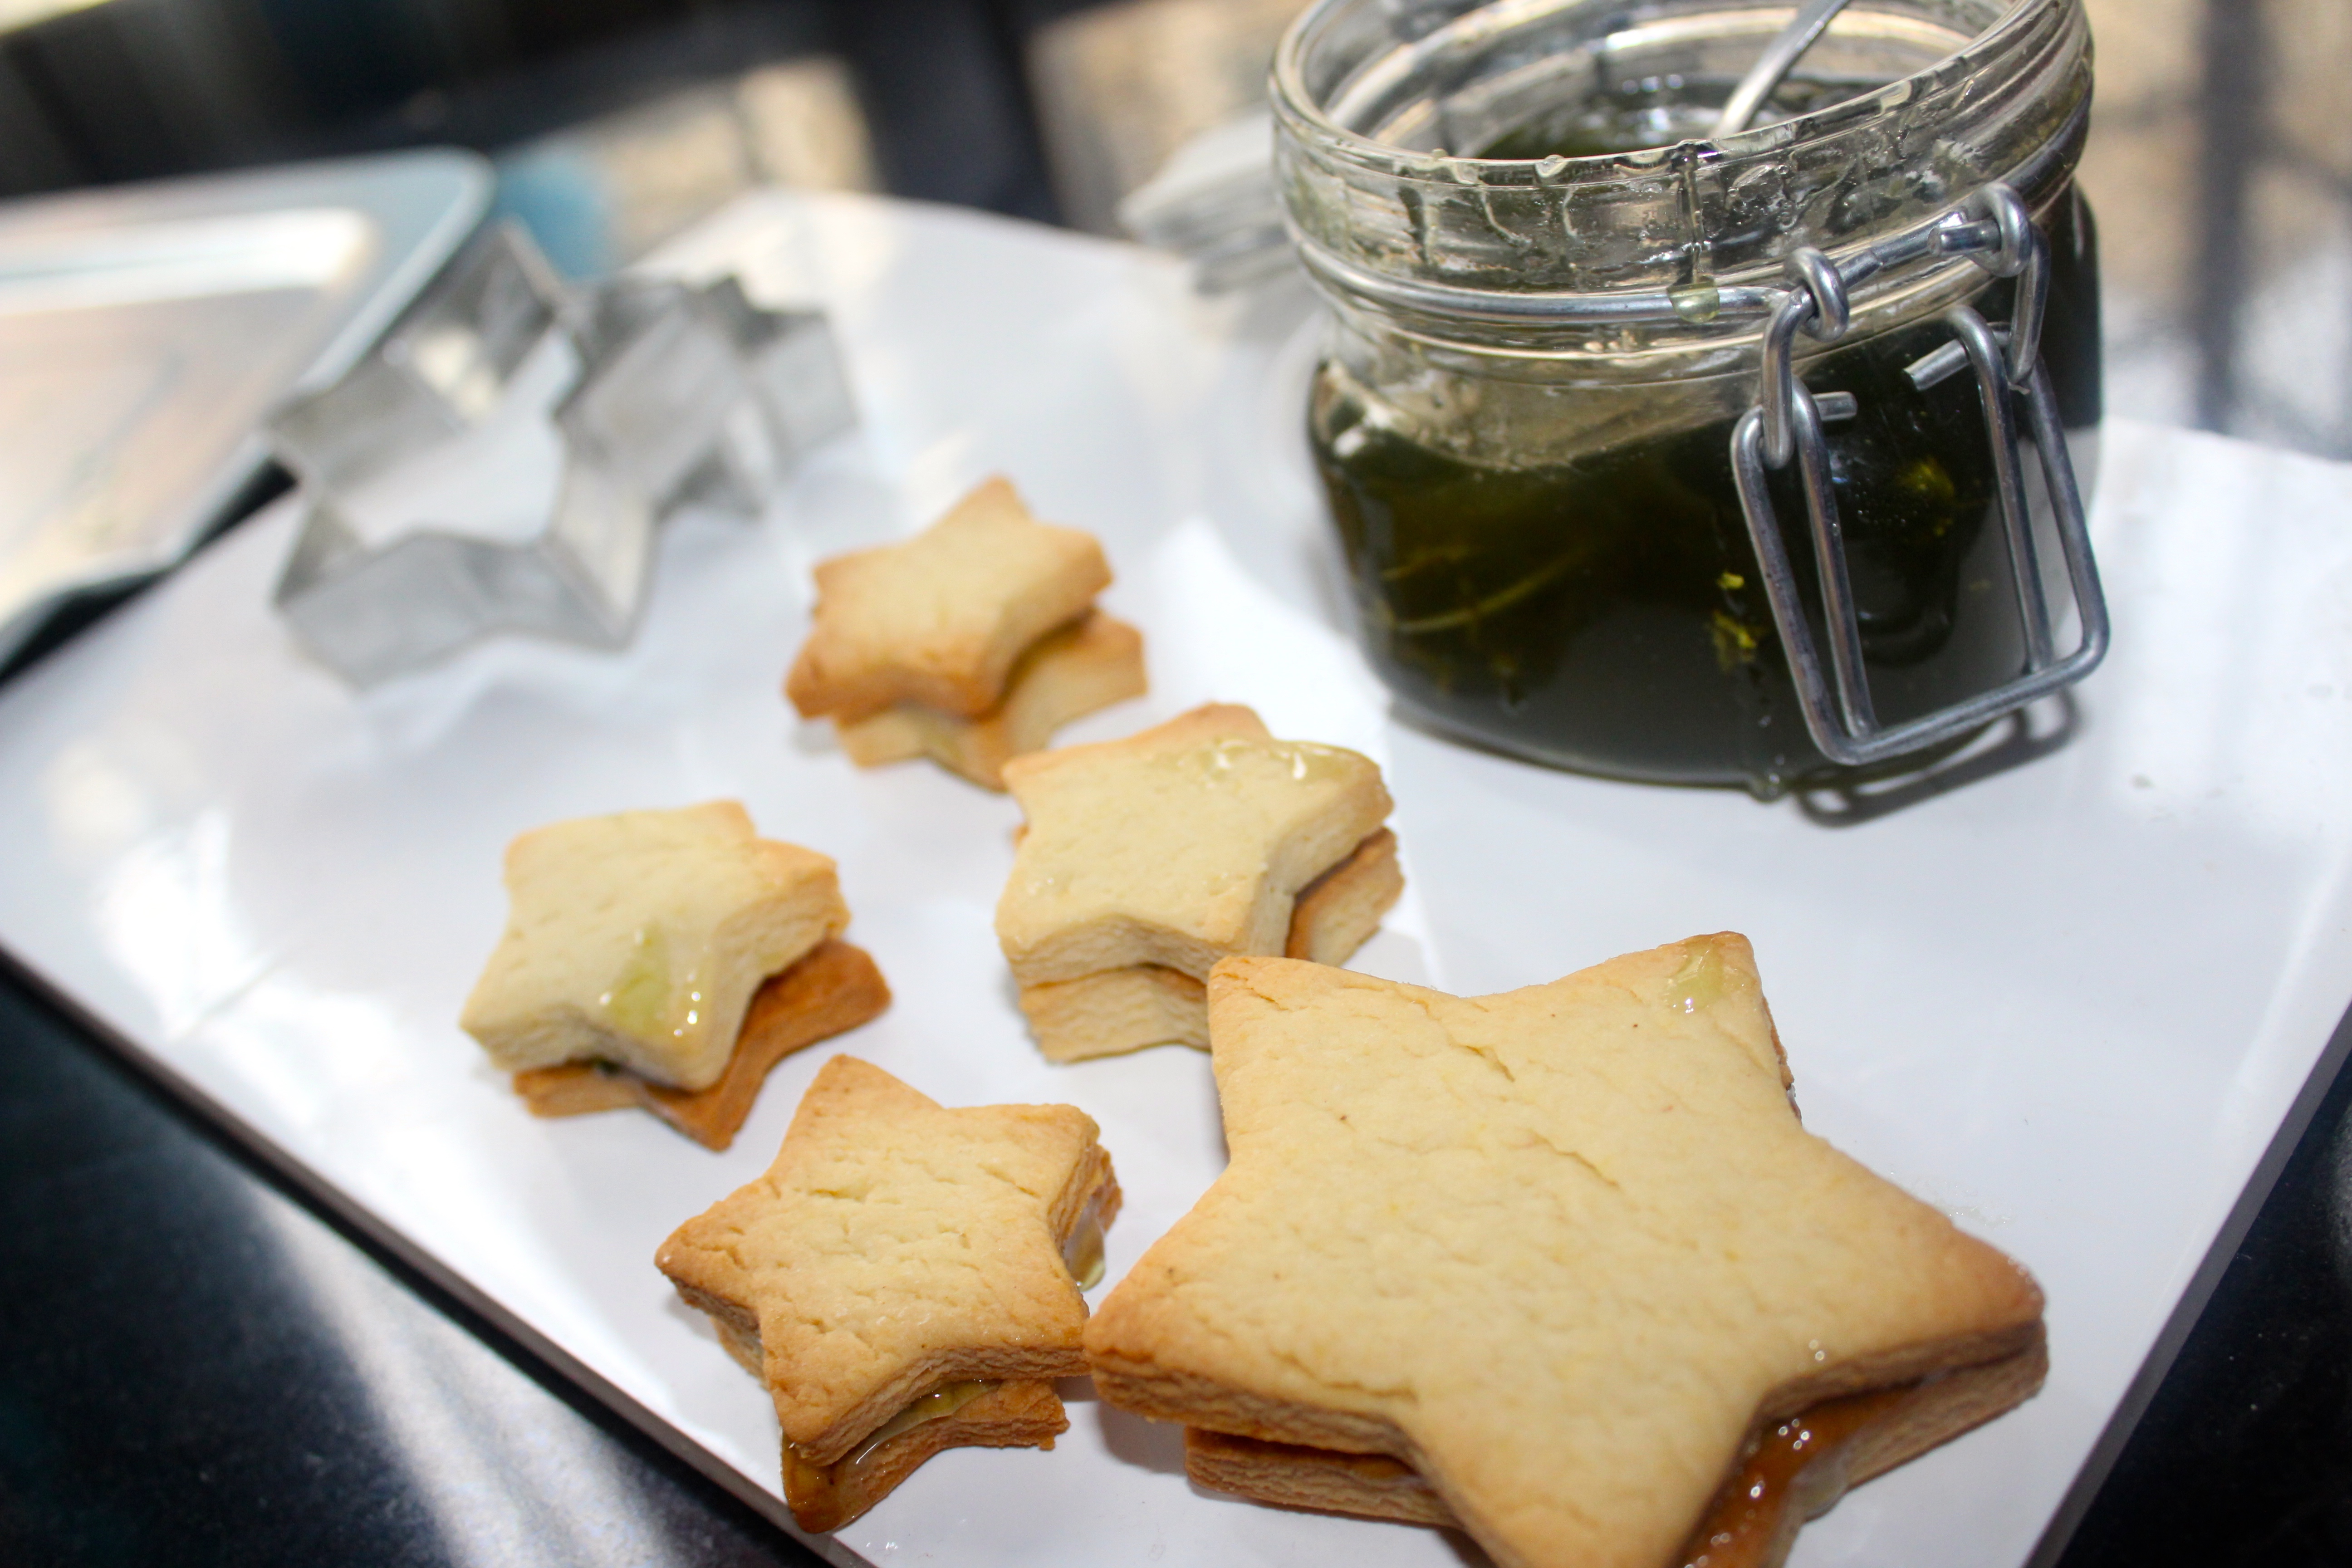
pixel 905 1278
pixel 1144 861
pixel 666 960
pixel 971 643
pixel 1558 1267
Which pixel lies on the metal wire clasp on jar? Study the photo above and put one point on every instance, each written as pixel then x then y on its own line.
pixel 1787 422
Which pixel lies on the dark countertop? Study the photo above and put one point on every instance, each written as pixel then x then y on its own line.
pixel 200 1365
pixel 196 1366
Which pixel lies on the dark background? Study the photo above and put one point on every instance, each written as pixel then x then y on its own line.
pixel 2221 160
pixel 197 1364
pixel 141 88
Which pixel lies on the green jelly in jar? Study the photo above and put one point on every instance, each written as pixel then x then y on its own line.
pixel 1546 548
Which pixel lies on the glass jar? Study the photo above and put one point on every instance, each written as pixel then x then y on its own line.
pixel 1553 300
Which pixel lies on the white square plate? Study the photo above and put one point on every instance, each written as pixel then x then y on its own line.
pixel 2070 1002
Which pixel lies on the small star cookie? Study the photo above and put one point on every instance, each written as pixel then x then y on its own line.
pixel 971 643
pixel 904 1279
pixel 635 948
pixel 1143 861
pixel 1091 663
pixel 1554 1265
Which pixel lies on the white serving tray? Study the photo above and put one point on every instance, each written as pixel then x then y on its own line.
pixel 2070 1002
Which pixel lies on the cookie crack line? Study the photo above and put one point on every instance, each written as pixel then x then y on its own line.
pixel 1489 1056
pixel 1535 1138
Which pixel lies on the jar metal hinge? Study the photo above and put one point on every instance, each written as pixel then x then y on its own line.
pixel 1994 230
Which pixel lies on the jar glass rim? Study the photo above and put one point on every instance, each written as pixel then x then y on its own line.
pixel 1295 103
pixel 1455 237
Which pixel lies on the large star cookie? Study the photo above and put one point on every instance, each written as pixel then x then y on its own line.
pixel 904 1279
pixel 1145 860
pixel 1551 1264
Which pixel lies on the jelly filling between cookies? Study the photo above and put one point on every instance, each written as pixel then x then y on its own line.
pixel 1797 1471
pixel 1082 1254
pixel 937 1406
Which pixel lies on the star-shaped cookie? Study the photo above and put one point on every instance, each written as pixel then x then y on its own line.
pixel 1090 663
pixel 902 1278
pixel 1564 1252
pixel 941 618
pixel 640 939
pixel 1175 846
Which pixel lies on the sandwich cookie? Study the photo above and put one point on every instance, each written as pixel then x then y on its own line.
pixel 666 960
pixel 1143 861
pixel 971 643
pixel 1559 1266
pixel 904 1279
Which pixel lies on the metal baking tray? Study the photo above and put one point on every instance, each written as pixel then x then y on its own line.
pixel 145 331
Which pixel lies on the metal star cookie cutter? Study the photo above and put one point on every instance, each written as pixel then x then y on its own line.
pixel 643 394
